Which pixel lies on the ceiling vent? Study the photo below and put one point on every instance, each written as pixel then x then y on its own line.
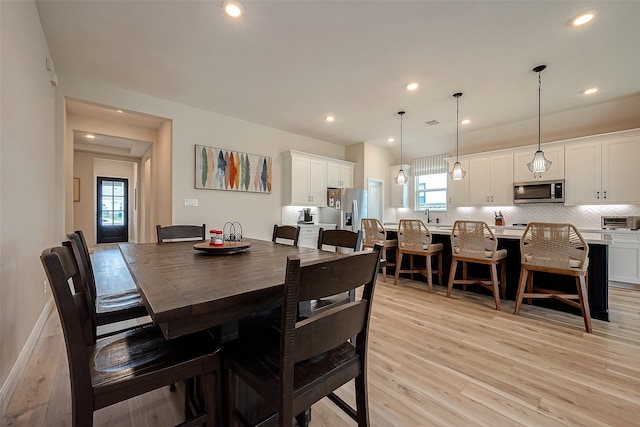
pixel 432 122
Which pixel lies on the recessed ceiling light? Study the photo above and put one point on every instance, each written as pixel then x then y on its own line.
pixel 465 122
pixel 390 140
pixel 330 119
pixel 233 9
pixel 590 91
pixel 412 86
pixel 90 136
pixel 118 111
pixel 583 18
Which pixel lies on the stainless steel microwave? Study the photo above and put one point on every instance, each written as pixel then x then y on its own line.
pixel 539 192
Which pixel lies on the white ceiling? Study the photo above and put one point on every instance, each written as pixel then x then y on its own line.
pixel 287 64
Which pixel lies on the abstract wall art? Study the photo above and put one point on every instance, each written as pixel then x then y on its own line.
pixel 222 169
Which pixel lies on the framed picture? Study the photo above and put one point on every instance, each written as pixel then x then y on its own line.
pixel 76 189
pixel 222 169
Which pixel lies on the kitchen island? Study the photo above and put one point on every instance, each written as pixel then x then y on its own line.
pixel 509 239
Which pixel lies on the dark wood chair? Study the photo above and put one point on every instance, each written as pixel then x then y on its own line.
pixel 474 242
pixel 340 239
pixel 113 369
pixel 104 309
pixel 180 232
pixel 414 239
pixel 294 365
pixel 555 249
pixel 289 233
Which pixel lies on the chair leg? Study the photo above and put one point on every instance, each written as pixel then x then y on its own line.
pixel 440 269
pixel 524 273
pixel 494 284
pixel 584 302
pixel 211 397
pixel 530 287
pixel 411 268
pixel 429 272
pixel 384 269
pixel 464 275
pixel 452 275
pixel 398 266
pixel 362 400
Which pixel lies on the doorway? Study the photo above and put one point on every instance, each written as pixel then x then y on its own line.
pixel 112 222
pixel 374 196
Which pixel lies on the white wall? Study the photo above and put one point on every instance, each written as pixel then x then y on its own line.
pixel 29 192
pixel 256 212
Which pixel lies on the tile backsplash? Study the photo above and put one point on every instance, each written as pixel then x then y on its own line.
pixel 584 216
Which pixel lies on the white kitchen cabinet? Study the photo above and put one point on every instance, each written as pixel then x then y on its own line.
pixel 602 172
pixel 399 194
pixel 340 174
pixel 458 191
pixel 305 182
pixel 521 172
pixel 309 234
pixel 491 181
pixel 624 258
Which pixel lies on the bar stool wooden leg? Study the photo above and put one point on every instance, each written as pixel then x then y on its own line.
pixel 429 272
pixel 398 266
pixel 524 273
pixel 503 278
pixel 494 283
pixel 582 293
pixel 452 275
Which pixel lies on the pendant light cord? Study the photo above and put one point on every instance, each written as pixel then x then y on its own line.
pixel 457 125
pixel 539 90
pixel 401 114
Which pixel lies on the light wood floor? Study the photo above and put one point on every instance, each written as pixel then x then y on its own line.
pixel 433 361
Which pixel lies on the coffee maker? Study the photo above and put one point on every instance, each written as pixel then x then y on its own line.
pixel 305 216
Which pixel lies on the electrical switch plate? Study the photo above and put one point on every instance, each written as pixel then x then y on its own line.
pixel 191 202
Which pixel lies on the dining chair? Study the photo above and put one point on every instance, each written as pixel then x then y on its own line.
pixel 374 233
pixel 180 232
pixel 474 242
pixel 414 239
pixel 104 309
pixel 340 239
pixel 294 365
pixel 554 248
pixel 288 234
pixel 116 368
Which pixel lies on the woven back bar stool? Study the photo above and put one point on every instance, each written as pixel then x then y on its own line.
pixel 558 249
pixel 414 238
pixel 374 233
pixel 473 241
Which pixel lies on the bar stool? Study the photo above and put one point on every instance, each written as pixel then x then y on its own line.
pixel 557 249
pixel 374 233
pixel 414 238
pixel 473 241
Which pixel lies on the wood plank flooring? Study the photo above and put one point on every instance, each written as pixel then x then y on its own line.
pixel 433 361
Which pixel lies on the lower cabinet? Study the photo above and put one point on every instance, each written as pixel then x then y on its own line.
pixel 624 258
pixel 309 234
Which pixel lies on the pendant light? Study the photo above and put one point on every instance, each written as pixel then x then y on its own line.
pixel 401 178
pixel 539 164
pixel 457 173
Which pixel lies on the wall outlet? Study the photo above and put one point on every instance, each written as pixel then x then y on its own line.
pixel 191 202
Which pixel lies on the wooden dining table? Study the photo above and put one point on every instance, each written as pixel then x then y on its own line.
pixel 187 290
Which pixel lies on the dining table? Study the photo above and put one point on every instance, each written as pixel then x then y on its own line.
pixel 186 289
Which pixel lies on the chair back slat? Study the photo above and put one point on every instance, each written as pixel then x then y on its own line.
pixel 327 330
pixel 286 232
pixel 180 232
pixel 345 239
pixel 84 281
pixel 413 234
pixel 324 279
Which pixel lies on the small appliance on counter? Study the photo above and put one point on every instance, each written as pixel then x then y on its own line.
pixel 305 216
pixel 622 222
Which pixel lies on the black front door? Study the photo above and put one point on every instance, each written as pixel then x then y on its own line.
pixel 113 221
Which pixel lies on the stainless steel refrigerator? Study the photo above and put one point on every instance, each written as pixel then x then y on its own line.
pixel 345 208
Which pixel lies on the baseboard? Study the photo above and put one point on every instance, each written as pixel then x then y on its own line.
pixel 11 383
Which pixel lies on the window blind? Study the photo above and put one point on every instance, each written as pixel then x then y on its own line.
pixel 430 164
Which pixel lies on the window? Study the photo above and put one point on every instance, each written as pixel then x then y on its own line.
pixel 431 191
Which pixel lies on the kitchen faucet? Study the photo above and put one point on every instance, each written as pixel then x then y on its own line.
pixel 426 212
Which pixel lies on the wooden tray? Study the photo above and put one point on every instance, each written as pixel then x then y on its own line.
pixel 228 248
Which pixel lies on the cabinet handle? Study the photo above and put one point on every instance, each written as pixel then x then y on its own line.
pixel 487 198
pixel 605 194
pixel 597 194
pixel 449 199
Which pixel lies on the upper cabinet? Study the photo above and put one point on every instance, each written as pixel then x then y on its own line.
pixel 304 179
pixel 340 174
pixel 491 180
pixel 399 194
pixel 604 171
pixel 521 172
pixel 458 191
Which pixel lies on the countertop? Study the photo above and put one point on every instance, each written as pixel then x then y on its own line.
pixel 317 224
pixel 593 236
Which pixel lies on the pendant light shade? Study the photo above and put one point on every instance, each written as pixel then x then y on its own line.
pixel 457 173
pixel 401 178
pixel 539 163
